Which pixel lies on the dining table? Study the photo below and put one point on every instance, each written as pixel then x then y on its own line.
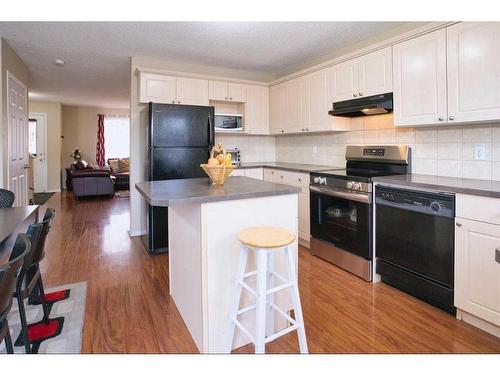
pixel 14 220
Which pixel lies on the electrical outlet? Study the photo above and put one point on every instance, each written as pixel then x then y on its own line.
pixel 479 152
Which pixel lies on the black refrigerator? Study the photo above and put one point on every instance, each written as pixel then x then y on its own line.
pixel 180 138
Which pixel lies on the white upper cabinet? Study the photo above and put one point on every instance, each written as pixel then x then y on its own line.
pixel 474 71
pixel 237 92
pixel 192 91
pixel 257 110
pixel 319 99
pixel 293 111
pixel 217 90
pixel 277 108
pixel 227 91
pixel 157 88
pixel 375 73
pixel 370 74
pixel 420 80
pixel 344 78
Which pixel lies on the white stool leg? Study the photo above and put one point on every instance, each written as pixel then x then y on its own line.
pixel 260 319
pixel 233 313
pixel 299 319
pixel 270 315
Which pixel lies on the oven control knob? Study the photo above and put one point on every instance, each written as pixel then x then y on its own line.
pixel 316 180
pixel 435 206
pixel 322 180
pixel 350 184
pixel 357 186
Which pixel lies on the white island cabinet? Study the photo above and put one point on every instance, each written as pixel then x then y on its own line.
pixel 203 225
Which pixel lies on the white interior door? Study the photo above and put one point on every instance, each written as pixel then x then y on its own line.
pixel 18 139
pixel 38 141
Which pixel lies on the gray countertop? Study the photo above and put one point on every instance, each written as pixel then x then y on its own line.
pixel 201 190
pixel 485 188
pixel 294 167
pixel 14 220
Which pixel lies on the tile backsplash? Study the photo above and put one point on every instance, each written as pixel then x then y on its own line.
pixel 439 150
pixel 253 148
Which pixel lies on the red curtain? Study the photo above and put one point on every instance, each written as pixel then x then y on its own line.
pixel 99 151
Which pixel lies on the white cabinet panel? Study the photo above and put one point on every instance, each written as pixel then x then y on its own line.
pixel 257 110
pixel 420 80
pixel 344 77
pixel 305 104
pixel 375 73
pixel 257 173
pixel 319 99
pixel 277 109
pixel 477 273
pixel 239 172
pixel 157 88
pixel 237 92
pixel 217 90
pixel 473 71
pixel 293 106
pixel 304 214
pixel 192 91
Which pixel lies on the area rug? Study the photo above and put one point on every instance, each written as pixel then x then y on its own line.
pixel 41 198
pixel 63 334
pixel 122 194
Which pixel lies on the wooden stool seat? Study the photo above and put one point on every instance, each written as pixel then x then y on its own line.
pixel 266 237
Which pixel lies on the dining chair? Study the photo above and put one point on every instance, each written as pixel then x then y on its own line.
pixel 30 277
pixel 7 198
pixel 8 275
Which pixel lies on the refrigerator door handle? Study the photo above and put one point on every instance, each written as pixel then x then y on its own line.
pixel 211 134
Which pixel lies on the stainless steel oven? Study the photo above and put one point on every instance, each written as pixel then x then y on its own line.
pixel 341 206
pixel 341 222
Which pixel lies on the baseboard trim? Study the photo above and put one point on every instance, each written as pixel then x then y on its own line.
pixel 137 233
pixel 478 323
pixel 304 243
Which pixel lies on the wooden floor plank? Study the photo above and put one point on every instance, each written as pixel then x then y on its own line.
pixel 129 309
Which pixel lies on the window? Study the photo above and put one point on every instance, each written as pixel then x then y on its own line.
pixel 32 137
pixel 116 136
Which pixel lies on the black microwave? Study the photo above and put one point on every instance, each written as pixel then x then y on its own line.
pixel 228 123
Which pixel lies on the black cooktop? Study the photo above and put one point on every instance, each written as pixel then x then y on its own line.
pixel 361 175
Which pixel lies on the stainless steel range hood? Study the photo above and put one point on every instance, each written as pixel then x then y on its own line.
pixel 370 105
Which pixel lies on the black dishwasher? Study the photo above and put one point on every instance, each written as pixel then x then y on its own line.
pixel 414 240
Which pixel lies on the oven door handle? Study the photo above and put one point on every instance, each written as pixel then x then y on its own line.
pixel 358 197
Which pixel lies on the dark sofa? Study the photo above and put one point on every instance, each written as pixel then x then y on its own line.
pixel 90 181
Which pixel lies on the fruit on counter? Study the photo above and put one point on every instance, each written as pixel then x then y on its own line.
pixel 220 158
pixel 213 162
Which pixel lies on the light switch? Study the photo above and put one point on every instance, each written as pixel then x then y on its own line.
pixel 479 152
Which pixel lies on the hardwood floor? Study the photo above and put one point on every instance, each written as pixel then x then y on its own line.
pixel 129 309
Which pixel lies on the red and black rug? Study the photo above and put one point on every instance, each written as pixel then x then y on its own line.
pixel 63 332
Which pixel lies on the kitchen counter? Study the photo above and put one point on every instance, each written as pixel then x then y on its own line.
pixel 485 188
pixel 200 190
pixel 203 249
pixel 14 220
pixel 294 167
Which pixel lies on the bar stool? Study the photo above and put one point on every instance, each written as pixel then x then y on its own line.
pixel 265 242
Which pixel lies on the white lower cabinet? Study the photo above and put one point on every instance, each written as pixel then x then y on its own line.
pixel 256 173
pixel 477 262
pixel 299 180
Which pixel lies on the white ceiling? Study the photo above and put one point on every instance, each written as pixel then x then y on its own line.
pixel 97 54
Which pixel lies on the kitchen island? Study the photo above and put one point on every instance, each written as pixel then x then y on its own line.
pixel 204 221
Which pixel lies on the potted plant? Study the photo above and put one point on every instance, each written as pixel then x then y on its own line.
pixel 76 155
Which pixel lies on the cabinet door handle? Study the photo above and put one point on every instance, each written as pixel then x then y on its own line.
pixel 497 255
pixel 178 102
pixel 459 224
pixel 451 118
pixel 355 95
pixel 231 98
pixel 441 118
pixel 360 94
pixel 225 98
